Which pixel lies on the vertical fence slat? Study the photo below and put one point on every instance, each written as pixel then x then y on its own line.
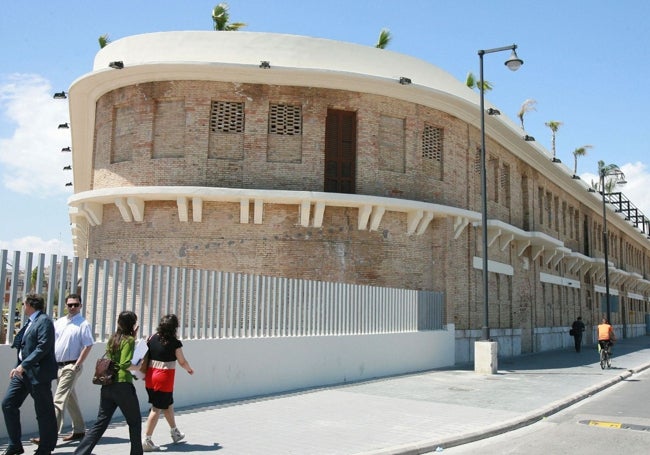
pixel 219 304
pixel 63 288
pixel 211 307
pixel 213 304
pixel 181 302
pixel 175 291
pixel 51 284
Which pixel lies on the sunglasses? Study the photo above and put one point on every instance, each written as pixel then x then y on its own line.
pixel 73 305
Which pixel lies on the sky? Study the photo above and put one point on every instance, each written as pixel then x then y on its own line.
pixel 585 64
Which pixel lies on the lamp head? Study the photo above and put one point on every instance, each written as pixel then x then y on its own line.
pixel 514 62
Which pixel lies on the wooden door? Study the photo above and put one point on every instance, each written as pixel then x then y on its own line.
pixel 340 151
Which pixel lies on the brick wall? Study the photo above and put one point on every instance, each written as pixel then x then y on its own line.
pixel 160 134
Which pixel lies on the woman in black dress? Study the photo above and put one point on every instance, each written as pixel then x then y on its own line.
pixel 164 350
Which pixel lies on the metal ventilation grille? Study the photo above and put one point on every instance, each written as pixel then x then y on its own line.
pixel 285 120
pixel 432 143
pixel 227 117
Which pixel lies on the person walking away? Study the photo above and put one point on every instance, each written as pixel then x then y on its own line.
pixel 578 329
pixel 606 335
pixel 73 342
pixel 164 350
pixel 33 375
pixel 120 393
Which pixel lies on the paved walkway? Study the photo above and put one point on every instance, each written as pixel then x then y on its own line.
pixel 410 414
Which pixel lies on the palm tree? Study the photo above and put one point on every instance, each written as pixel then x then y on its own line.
pixel 580 151
pixel 384 39
pixel 554 126
pixel 472 83
pixel 103 40
pixel 526 106
pixel 220 18
pixel 612 170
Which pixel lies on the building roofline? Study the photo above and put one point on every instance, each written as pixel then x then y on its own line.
pixel 296 61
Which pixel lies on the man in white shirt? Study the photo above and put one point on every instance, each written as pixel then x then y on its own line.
pixel 73 342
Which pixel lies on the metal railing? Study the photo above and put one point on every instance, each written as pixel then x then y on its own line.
pixel 213 304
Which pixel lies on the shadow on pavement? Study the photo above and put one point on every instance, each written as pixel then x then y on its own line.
pixel 184 447
pixel 569 358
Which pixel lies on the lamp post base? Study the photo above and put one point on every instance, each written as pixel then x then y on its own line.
pixel 486 357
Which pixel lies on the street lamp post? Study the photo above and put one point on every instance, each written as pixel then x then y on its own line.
pixel 513 63
pixel 614 171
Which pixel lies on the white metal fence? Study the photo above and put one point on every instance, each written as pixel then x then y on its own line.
pixel 212 304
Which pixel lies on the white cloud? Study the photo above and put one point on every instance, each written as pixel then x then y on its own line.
pixel 31 158
pixel 636 190
pixel 37 245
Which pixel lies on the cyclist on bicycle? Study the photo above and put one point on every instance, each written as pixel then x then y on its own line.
pixel 606 335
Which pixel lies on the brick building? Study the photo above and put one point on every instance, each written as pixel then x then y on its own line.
pixel 308 158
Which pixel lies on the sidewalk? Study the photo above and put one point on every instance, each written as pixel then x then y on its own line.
pixel 409 414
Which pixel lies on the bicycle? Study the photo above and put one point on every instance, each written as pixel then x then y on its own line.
pixel 605 348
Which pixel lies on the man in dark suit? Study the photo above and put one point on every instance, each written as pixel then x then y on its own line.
pixel 33 375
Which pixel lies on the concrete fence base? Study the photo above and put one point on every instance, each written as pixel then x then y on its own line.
pixel 238 368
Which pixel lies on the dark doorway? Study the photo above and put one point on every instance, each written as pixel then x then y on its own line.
pixel 340 151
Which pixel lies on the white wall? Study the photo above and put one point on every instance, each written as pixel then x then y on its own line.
pixel 235 368
pixel 509 343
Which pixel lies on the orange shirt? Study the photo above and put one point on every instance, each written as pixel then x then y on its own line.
pixel 604 331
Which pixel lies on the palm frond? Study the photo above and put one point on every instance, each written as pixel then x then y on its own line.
pixel 580 151
pixel 220 16
pixel 220 19
pixel 472 83
pixel 384 38
pixel 470 80
pixel 526 106
pixel 234 26
pixel 554 125
pixel 103 40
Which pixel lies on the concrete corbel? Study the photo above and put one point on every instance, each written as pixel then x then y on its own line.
pixel 124 209
pixel 181 203
pixel 550 257
pixel 460 223
pixel 258 211
pixel 521 247
pixel 244 208
pixel 305 212
pixel 505 241
pixel 493 236
pixel 319 211
pixel 137 208
pixel 424 223
pixel 364 215
pixel 376 216
pixel 197 209
pixel 536 250
pixel 94 212
pixel 412 220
